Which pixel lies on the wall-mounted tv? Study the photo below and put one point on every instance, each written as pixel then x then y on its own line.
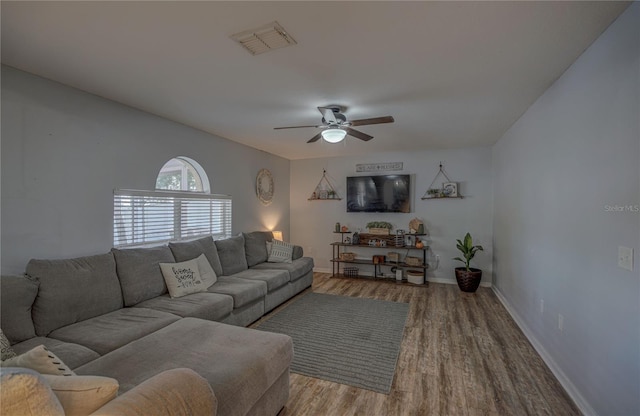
pixel 382 193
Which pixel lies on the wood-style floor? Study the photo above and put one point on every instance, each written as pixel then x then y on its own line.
pixel 462 354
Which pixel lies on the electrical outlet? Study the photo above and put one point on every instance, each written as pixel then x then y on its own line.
pixel 560 322
pixel 625 258
pixel 541 306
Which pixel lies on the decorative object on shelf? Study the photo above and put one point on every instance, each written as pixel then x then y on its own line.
pixel 379 167
pixel 344 229
pixel 393 257
pixel 399 240
pixel 355 239
pixel 379 227
pixel 449 189
pixel 415 276
pixel 468 278
pixel 350 272
pixel 413 261
pixel 337 227
pixel 324 190
pixel 264 186
pixel 347 256
pixel 419 244
pixel 398 273
pixel 414 226
pixel 378 259
pixel 347 240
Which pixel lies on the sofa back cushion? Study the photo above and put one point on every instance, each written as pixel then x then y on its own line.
pixel 255 246
pixel 17 294
pixel 73 290
pixel 232 255
pixel 189 250
pixel 139 272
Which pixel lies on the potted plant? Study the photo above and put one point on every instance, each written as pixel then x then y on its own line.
pixel 379 227
pixel 468 278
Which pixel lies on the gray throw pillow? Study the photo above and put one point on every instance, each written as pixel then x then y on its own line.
pixel 232 255
pixel 187 250
pixel 17 294
pixel 255 247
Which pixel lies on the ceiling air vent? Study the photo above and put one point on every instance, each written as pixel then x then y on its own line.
pixel 263 39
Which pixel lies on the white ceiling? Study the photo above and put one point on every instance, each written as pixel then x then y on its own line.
pixel 452 74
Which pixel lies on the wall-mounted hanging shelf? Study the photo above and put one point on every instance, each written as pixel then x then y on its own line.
pixel 324 190
pixel 449 190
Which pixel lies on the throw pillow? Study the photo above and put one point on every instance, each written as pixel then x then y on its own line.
pixel 206 270
pixel 25 392
pixel 281 252
pixel 82 395
pixel 183 278
pixel 7 351
pixel 41 360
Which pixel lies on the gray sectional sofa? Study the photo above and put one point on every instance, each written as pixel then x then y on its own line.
pixel 110 315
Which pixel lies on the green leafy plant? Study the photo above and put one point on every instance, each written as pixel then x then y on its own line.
pixel 379 224
pixel 468 250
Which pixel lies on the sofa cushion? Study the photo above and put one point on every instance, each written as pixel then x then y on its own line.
pixel 73 290
pixel 73 355
pixel 188 250
pixel 139 272
pixel 110 331
pixel 255 246
pixel 82 395
pixel 210 306
pixel 25 392
pixel 17 294
pixel 232 255
pixel 273 278
pixel 242 291
pixel 40 359
pixel 297 268
pixel 246 362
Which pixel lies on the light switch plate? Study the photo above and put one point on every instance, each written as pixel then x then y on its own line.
pixel 625 258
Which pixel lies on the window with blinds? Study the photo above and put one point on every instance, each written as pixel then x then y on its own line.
pixel 155 217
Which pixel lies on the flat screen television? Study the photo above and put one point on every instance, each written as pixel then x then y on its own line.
pixel 381 193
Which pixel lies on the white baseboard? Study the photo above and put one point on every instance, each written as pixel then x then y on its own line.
pixel 429 279
pixel 569 387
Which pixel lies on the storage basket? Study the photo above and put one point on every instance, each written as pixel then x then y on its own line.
pixel 347 256
pixel 379 231
pixel 350 271
pixel 415 276
pixel 393 257
pixel 413 261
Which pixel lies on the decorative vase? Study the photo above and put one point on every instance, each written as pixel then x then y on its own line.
pixel 468 280
pixel 337 227
pixel 421 229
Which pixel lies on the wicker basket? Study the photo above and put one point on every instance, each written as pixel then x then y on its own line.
pixel 350 271
pixel 347 256
pixel 393 257
pixel 413 261
pixel 415 276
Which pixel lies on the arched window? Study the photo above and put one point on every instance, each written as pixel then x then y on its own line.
pixel 182 174
pixel 181 208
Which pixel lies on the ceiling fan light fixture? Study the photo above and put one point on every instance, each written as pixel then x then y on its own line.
pixel 333 135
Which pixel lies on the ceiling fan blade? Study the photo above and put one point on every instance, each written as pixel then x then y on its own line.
pixel 315 138
pixel 358 134
pixel 375 120
pixel 327 114
pixel 294 127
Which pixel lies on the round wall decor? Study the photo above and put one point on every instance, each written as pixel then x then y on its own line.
pixel 264 186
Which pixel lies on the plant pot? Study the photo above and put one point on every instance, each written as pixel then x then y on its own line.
pixel 468 281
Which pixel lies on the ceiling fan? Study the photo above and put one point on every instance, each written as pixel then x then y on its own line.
pixel 336 126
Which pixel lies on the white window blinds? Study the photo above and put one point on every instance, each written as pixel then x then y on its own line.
pixel 155 217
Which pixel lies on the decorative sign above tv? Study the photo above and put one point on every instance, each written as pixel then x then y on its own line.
pixel 383 193
pixel 378 167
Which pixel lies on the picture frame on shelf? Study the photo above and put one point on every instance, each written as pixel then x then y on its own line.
pixel 450 189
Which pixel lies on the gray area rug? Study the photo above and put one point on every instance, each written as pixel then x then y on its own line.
pixel 346 340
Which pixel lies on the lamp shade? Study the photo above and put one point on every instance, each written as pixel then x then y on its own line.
pixel 277 235
pixel 333 135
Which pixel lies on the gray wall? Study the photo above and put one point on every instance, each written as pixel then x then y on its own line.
pixel 312 222
pixel 558 174
pixel 64 151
